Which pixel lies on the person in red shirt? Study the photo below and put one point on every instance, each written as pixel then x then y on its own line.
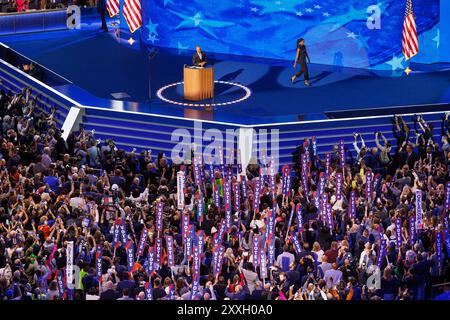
pixel 22 5
pixel 238 280
pixel 44 227
pixel 332 253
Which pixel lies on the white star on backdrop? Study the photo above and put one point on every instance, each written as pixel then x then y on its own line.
pixel 363 41
pixel 181 48
pixel 197 18
pixel 254 9
pixel 396 63
pixel 351 15
pixel 269 7
pixel 299 13
pixel 152 38
pixel 382 6
pixel 437 39
pixel 152 27
pixel 351 35
pixel 326 14
pixel 198 21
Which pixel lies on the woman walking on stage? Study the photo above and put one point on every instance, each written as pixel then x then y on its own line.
pixel 301 57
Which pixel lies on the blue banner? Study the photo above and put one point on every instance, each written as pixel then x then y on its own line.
pixel 296 242
pixel 148 291
pixel 327 164
pixel 142 242
pixel 255 250
pixel 256 196
pixel 398 232
pixel 98 259
pixel 159 216
pixel 129 247
pixel 237 197
pixel 352 205
pixel 338 186
pixel 381 252
pixel 439 249
pixel 299 218
pixel 419 211
pixel 412 230
pixel 158 253
pixel 169 250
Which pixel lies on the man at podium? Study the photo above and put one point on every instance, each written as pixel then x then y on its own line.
pixel 198 80
pixel 199 58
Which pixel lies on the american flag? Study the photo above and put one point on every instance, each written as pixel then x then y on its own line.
pixel 113 7
pixel 410 41
pixel 132 14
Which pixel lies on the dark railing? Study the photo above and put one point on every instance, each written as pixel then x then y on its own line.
pixel 33 21
pixel 439 289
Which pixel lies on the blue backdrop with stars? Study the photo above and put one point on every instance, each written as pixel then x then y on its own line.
pixel 336 32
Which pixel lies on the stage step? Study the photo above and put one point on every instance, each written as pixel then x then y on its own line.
pixel 144 132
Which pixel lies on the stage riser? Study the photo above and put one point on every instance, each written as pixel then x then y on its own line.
pixel 139 119
pixel 16 82
pixel 365 130
pixel 152 132
pixel 369 139
pixel 45 104
pixel 149 132
pixel 143 132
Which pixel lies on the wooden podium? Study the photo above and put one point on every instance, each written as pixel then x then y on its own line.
pixel 198 83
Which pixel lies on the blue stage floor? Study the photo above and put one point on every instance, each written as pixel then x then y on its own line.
pixel 98 66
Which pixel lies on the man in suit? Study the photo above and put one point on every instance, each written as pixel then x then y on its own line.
pixel 409 156
pixel 109 293
pixel 199 58
pixel 101 8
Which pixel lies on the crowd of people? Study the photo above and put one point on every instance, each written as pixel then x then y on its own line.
pixel 29 5
pixel 81 219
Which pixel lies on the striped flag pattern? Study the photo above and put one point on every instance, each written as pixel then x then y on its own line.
pixel 113 7
pixel 132 14
pixel 410 41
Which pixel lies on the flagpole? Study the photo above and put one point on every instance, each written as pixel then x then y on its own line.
pixel 118 30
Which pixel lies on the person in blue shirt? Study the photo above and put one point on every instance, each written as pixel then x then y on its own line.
pixel 51 180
